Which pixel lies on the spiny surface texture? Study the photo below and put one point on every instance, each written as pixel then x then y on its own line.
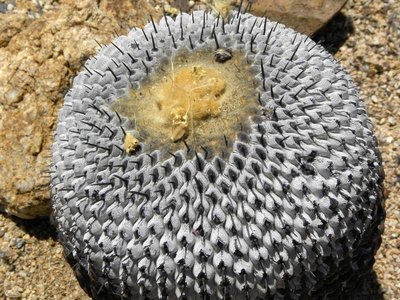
pixel 292 212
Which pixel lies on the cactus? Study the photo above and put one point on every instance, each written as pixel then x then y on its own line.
pixel 286 206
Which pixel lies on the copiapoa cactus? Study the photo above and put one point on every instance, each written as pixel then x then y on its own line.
pixel 205 157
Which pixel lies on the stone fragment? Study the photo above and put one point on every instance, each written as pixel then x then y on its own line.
pixel 392 121
pixel 20 243
pixel 394 24
pixel 40 51
pixel 182 5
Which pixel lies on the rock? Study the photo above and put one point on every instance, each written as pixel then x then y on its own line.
pixel 41 49
pixel 392 121
pixel 389 140
pixel 394 24
pixel 11 25
pixel 306 16
pixel 20 243
pixel 3 8
pixel 182 5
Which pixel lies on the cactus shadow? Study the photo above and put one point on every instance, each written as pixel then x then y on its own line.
pixel 367 288
pixel 41 228
pixel 335 33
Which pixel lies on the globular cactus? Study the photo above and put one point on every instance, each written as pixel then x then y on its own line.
pixel 290 211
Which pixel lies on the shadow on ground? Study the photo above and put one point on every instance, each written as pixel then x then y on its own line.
pixel 367 289
pixel 335 33
pixel 41 228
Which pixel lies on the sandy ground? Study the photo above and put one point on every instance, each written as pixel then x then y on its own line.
pixel 365 37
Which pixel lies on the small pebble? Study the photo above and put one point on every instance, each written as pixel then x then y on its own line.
pixel 391 121
pixel 3 8
pixel 20 243
pixel 374 99
pixel 389 140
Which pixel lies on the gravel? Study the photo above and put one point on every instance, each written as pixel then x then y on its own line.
pixel 31 260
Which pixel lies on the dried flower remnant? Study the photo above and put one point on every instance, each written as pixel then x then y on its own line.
pixel 131 143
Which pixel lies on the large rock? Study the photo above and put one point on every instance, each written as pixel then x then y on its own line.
pixel 39 54
pixel 306 16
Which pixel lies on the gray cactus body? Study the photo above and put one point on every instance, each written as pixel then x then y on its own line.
pixel 291 213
